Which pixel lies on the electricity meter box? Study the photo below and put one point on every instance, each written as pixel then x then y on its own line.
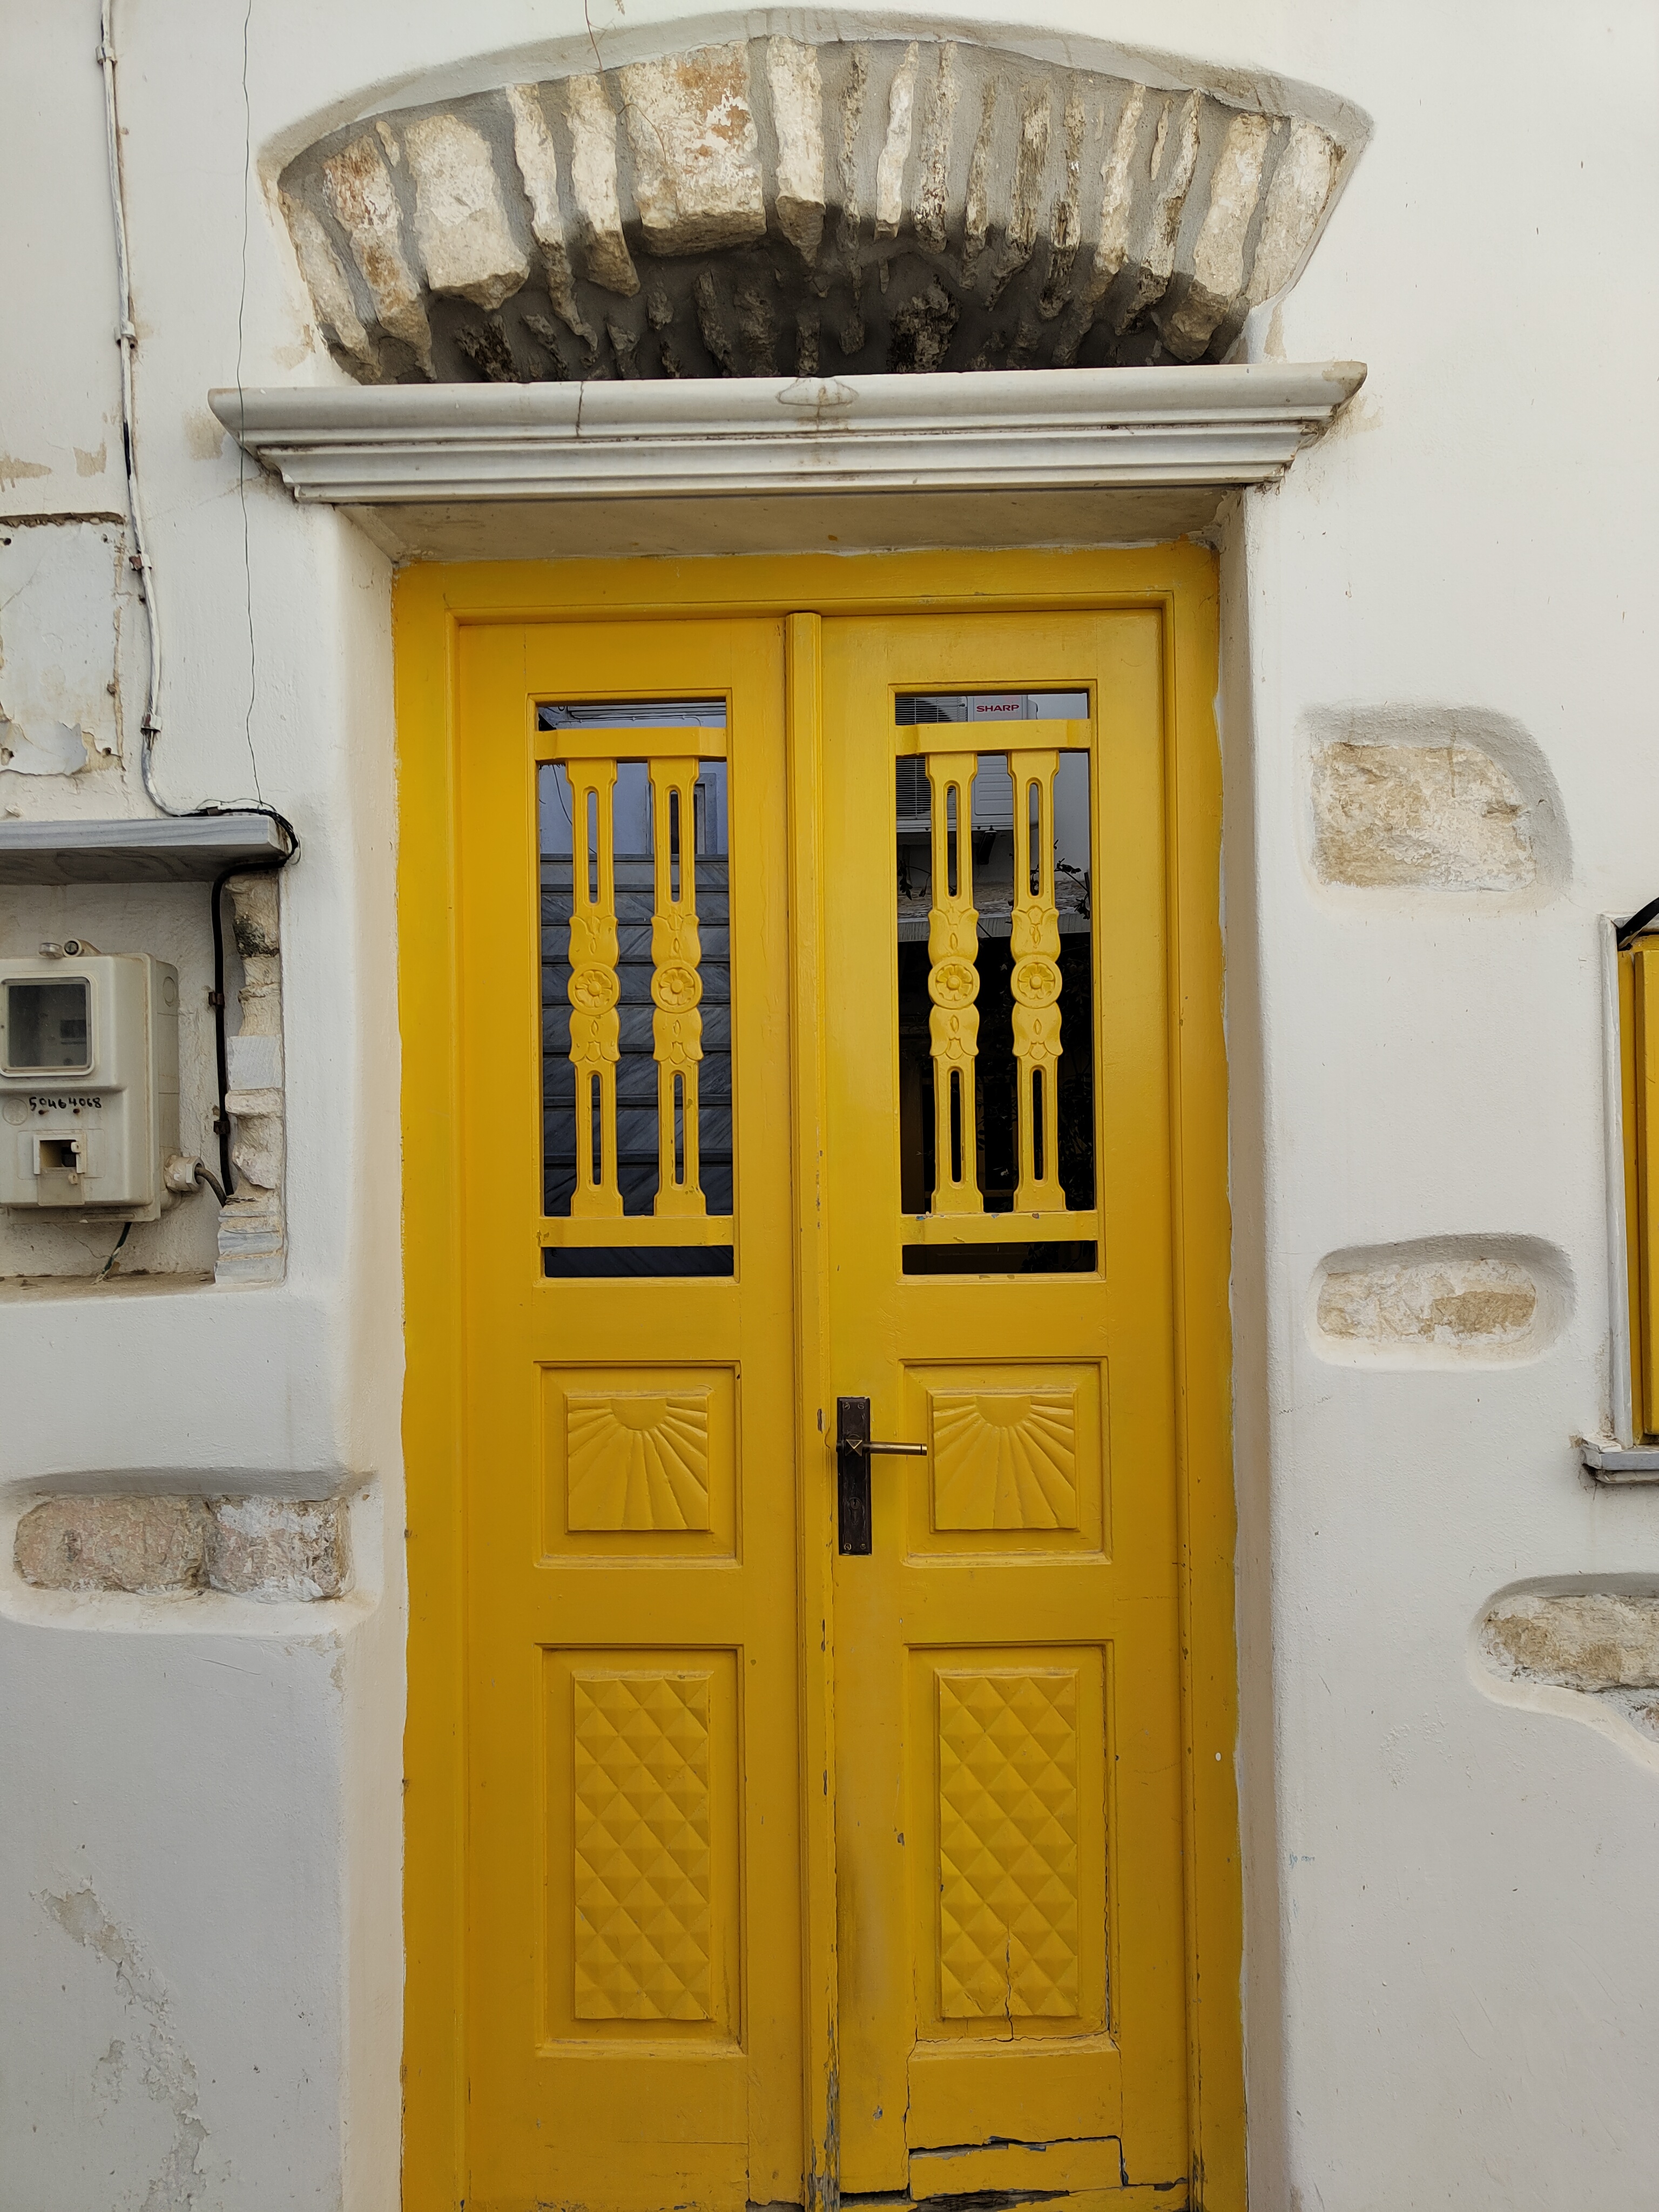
pixel 89 1083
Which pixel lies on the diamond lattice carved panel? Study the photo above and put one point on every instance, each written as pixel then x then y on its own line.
pixel 642 1854
pixel 1005 1459
pixel 1008 1844
pixel 638 1460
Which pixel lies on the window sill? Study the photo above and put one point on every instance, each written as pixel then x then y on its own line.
pixel 1613 1464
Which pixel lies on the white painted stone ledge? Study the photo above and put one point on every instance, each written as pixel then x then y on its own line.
pixel 999 429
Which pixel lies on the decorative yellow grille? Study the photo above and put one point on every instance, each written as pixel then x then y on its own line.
pixel 594 989
pixel 605 891
pixel 1036 982
pixel 675 986
pixel 953 984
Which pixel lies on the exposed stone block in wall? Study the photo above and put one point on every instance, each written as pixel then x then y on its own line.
pixel 1458 1302
pixel 140 1544
pixel 269 1548
pixel 252 1231
pixel 1440 1301
pixel 1579 1652
pixel 1437 799
pixel 1584 1640
pixel 273 1549
pixel 1446 817
pixel 773 206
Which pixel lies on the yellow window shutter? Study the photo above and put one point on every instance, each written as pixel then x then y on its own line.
pixel 1640 997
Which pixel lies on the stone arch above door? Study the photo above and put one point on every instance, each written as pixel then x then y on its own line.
pixel 776 208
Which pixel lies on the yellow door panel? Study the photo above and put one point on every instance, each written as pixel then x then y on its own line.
pixel 1008 1726
pixel 806 1005
pixel 633 1863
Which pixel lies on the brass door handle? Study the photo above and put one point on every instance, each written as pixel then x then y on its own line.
pixel 855 1447
pixel 853 1432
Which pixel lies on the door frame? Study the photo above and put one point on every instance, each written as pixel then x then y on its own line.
pixel 431 603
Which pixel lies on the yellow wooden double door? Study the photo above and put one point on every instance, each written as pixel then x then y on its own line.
pixel 818 1819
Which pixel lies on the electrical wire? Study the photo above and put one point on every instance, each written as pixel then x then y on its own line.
pixel 114 1248
pixel 126 337
pixel 1628 932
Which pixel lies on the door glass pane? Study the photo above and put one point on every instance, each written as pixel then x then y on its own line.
pixel 636 1034
pixel 995 965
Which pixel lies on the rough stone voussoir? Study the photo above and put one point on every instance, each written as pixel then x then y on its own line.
pixel 461 218
pixel 780 206
pixel 696 157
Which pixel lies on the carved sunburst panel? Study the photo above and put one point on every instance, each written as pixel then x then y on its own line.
pixel 1005 1459
pixel 639 1462
pixel 1017 1459
pixel 638 1459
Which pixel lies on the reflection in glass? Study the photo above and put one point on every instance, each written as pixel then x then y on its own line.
pixel 913 706
pixel 632 715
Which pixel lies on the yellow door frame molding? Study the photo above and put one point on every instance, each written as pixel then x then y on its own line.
pixel 431 605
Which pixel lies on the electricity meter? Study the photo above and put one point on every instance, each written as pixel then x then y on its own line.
pixel 88 1082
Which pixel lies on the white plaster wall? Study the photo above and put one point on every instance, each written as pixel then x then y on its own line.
pixel 1450 1992
pixel 221 1777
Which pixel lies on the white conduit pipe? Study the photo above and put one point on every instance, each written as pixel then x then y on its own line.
pixel 126 339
